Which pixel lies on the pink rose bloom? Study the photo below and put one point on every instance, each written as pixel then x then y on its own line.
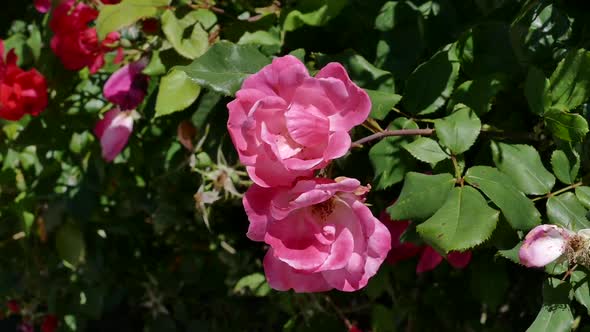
pixel 43 6
pixel 429 258
pixel 285 124
pixel 127 86
pixel 113 132
pixel 321 235
pixel 543 244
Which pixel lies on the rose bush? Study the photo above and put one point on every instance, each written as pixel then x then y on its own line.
pixel 145 144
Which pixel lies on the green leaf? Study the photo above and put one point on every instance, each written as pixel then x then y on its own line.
pixel 523 165
pixel 579 281
pixel 382 103
pixel 177 92
pixel 431 84
pixel 583 195
pixel 385 21
pixel 114 17
pixel 361 71
pixel 565 167
pixel 389 160
pixel 313 12
pixel 255 282
pixel 421 196
pixel 537 91
pixel 225 65
pixel 464 221
pixel 69 243
pixel 426 150
pixel 519 211
pixel 570 82
pixel 459 130
pixel 555 314
pixel 270 41
pixel 511 254
pixel 566 211
pixel 155 67
pixel 478 93
pixel 191 25
pixel 566 126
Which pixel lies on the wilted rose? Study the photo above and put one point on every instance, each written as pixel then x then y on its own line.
pixel 286 124
pixel 127 86
pixel 113 131
pixel 543 244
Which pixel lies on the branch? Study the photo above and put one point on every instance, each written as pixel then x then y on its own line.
pixel 386 133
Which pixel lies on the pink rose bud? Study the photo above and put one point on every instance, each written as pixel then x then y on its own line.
pixel 113 131
pixel 285 124
pixel 127 86
pixel 321 235
pixel 542 245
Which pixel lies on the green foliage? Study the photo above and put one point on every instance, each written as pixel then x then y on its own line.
pixel 459 130
pixel 155 240
pixel 462 222
pixel 224 66
pixel 125 13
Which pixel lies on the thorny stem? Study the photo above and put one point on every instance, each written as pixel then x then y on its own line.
pixel 338 312
pixel 386 133
pixel 577 184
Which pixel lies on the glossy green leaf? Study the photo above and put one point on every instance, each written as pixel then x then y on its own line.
pixel 570 82
pixel 463 221
pixel 583 195
pixel 389 160
pixel 579 280
pixel 523 165
pixel 225 65
pixel 566 126
pixel 269 41
pixel 361 71
pixel 459 130
pixel 382 103
pixel 69 243
pixel 519 211
pixel 426 150
pixel 565 167
pixel 537 91
pixel 555 314
pixel 421 196
pixel 177 92
pixel 127 12
pixel 566 211
pixel 313 12
pixel 188 45
pixel 431 84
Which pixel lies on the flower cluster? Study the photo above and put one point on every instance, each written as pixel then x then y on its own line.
pixel 21 91
pixel 74 42
pixel 286 124
pixel 429 258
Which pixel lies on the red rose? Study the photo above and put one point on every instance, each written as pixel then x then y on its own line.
pixel 75 43
pixel 13 306
pixel 110 2
pixel 21 92
pixel 49 324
